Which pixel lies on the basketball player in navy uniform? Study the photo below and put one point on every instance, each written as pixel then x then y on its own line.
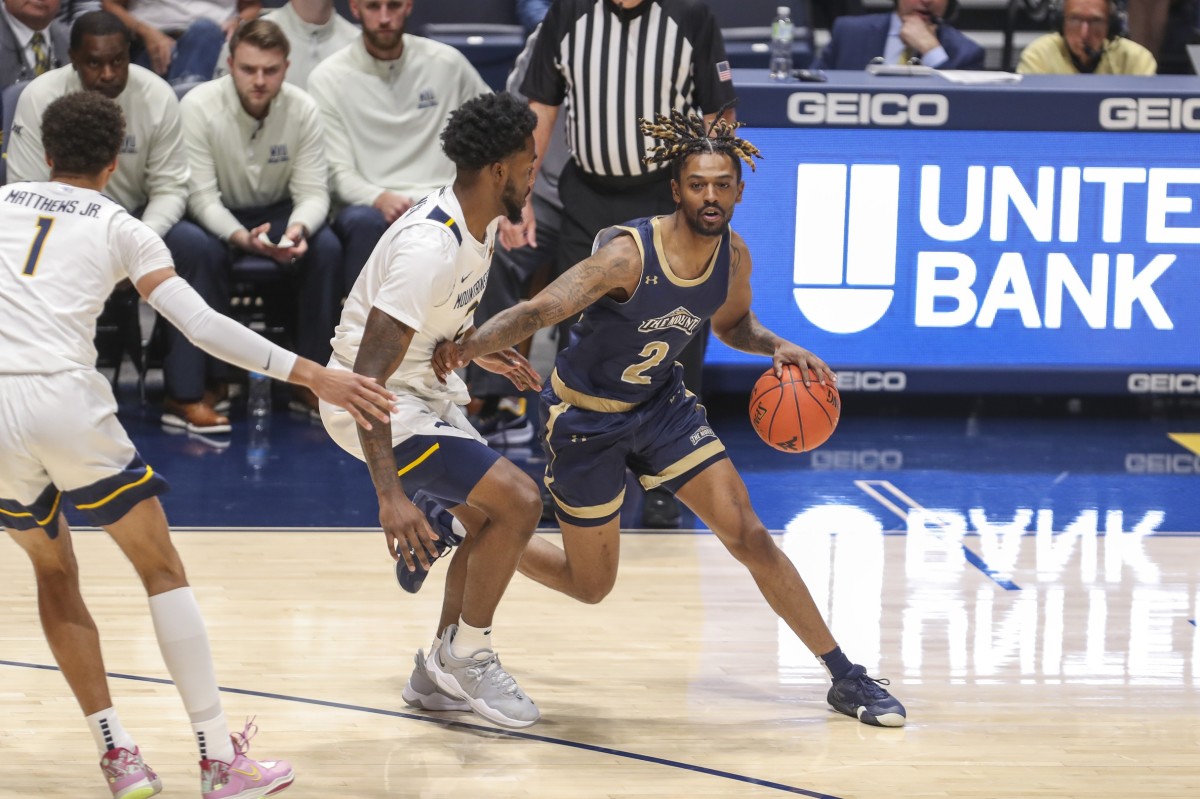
pixel 616 398
pixel 421 285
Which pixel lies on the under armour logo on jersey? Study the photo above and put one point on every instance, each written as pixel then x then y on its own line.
pixel 279 154
pixel 426 99
pixel 651 280
pixel 575 439
pixel 130 144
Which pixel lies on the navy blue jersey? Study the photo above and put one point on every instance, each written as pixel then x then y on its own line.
pixel 621 353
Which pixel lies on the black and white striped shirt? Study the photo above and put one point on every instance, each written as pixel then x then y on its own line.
pixel 614 65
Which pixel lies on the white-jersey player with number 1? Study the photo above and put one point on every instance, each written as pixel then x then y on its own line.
pixel 63 246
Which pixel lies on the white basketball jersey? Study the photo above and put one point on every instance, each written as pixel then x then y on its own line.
pixel 429 273
pixel 62 249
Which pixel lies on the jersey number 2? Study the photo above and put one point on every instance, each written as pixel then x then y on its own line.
pixel 654 352
pixel 44 224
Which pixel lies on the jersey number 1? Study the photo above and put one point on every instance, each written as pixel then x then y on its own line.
pixel 44 224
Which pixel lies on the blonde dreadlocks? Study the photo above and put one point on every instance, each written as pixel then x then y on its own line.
pixel 680 136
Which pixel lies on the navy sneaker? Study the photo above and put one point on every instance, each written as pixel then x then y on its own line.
pixel 861 696
pixel 509 425
pixel 441 521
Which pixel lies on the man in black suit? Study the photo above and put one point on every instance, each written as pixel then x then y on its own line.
pixel 31 41
pixel 915 30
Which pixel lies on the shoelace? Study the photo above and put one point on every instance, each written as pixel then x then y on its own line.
pixel 493 672
pixel 871 688
pixel 241 740
pixel 123 766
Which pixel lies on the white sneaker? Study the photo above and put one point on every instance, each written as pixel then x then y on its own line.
pixel 482 682
pixel 423 693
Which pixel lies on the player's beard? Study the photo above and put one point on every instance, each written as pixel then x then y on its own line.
pixel 703 228
pixel 514 203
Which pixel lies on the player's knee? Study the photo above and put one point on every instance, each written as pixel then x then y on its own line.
pixel 527 504
pixel 751 544
pixel 591 592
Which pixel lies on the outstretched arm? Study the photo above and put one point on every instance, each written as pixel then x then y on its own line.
pixel 737 326
pixel 223 338
pixel 617 266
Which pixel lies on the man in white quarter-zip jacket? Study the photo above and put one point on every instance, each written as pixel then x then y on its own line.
pixel 315 31
pixel 150 181
pixel 385 100
pixel 257 155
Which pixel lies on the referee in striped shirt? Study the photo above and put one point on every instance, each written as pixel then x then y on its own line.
pixel 611 62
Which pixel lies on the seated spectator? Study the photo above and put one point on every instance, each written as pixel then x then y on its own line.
pixel 385 99
pixel 257 156
pixel 150 182
pixel 1087 42
pixel 181 39
pixel 315 31
pixel 915 30
pixel 32 42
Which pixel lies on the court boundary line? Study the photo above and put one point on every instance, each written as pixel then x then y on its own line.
pixel 554 530
pixel 449 723
pixel 868 487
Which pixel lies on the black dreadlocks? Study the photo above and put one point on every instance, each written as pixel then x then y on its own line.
pixel 683 136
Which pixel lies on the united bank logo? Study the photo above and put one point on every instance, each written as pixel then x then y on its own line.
pixel 988 246
pixel 846 251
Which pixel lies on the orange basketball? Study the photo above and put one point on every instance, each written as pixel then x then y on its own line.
pixel 790 416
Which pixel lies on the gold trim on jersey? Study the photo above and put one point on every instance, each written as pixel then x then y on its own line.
pixel 682 465
pixel 587 401
pixel 149 473
pixel 666 266
pixel 419 460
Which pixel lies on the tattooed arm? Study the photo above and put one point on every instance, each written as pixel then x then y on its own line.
pixel 614 268
pixel 385 341
pixel 736 325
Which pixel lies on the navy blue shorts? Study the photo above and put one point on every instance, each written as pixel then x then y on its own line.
pixel 446 467
pixel 665 441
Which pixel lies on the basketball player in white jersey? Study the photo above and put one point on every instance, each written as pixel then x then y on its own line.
pixel 421 285
pixel 63 246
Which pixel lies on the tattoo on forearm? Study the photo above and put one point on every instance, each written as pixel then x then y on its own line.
pixel 562 299
pixel 749 335
pixel 383 346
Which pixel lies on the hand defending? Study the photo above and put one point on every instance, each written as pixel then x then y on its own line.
pixel 359 395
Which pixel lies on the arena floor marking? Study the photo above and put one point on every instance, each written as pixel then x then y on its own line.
pixel 874 489
pixel 604 750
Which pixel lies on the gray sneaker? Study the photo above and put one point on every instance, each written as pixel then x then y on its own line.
pixel 482 682
pixel 422 692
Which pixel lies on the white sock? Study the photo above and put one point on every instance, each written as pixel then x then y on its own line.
pixel 108 733
pixel 469 640
pixel 183 641
pixel 212 737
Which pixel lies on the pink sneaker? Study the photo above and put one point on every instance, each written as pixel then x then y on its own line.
pixel 128 776
pixel 244 778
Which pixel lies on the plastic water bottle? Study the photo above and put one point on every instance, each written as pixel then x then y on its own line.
pixel 258 399
pixel 782 33
pixel 259 446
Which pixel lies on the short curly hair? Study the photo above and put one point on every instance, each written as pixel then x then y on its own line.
pixel 82 133
pixel 487 129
